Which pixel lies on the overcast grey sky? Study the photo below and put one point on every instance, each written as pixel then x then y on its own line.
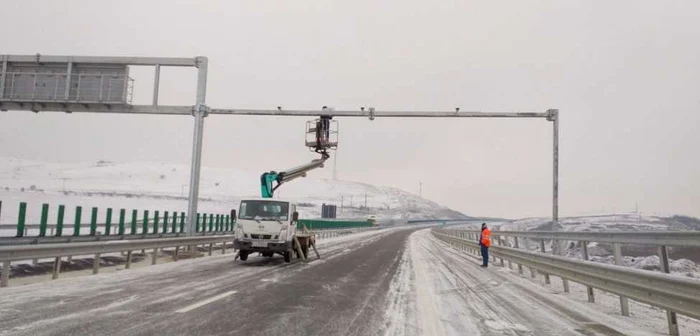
pixel 624 74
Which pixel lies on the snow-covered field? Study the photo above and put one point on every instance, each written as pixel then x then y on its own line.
pixel 607 222
pixel 164 187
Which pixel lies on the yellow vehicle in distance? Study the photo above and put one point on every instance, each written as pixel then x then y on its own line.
pixel 372 219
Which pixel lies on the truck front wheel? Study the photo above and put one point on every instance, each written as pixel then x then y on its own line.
pixel 243 255
pixel 288 256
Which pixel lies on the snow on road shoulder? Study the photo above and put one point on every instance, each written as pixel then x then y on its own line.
pixel 400 313
pixel 68 286
pixel 439 290
pixel 82 315
pixel 644 318
pixel 415 300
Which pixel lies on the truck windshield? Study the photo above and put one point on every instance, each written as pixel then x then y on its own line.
pixel 264 210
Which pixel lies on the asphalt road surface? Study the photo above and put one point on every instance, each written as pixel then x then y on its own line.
pixel 390 282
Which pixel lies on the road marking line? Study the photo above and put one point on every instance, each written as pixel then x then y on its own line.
pixel 205 302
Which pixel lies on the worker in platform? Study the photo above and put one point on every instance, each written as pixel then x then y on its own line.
pixel 484 243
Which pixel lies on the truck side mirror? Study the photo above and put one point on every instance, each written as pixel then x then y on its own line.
pixel 295 216
pixel 233 214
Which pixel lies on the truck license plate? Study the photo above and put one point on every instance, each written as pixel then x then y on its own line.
pixel 259 243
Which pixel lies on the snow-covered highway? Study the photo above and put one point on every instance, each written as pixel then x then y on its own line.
pixel 385 282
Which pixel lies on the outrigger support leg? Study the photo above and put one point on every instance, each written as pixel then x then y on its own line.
pixel 299 250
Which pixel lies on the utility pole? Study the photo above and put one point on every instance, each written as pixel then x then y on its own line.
pixel 420 190
pixel 367 210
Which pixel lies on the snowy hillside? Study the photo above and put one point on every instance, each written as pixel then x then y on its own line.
pixel 165 187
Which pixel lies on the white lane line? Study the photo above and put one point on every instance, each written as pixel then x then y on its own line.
pixel 205 302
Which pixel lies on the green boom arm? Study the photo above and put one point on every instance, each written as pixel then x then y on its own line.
pixel 268 180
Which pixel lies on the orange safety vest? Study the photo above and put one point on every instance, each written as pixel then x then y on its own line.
pixel 486 237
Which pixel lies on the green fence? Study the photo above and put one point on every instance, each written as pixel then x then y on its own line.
pixel 332 224
pixel 158 222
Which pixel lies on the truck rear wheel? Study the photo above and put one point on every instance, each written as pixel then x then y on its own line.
pixel 243 255
pixel 288 256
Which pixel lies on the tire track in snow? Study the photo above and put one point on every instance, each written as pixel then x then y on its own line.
pixel 495 308
pixel 464 299
pixel 575 318
pixel 400 312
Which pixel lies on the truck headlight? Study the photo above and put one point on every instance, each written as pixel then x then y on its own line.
pixel 283 233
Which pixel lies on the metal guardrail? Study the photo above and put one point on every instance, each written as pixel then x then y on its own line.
pixel 11 241
pixel 13 227
pixel 29 240
pixel 661 238
pixel 52 227
pixel 26 252
pixel 57 251
pixel 58 247
pixel 676 295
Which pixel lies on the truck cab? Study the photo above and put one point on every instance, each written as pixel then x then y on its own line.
pixel 267 226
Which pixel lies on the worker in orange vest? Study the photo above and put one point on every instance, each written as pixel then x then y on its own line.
pixel 484 243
